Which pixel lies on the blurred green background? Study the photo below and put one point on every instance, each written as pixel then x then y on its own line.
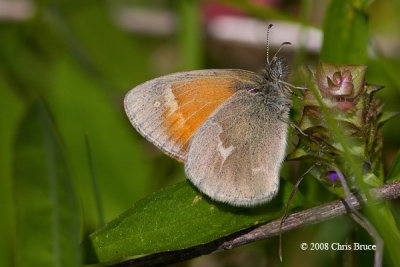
pixel 64 69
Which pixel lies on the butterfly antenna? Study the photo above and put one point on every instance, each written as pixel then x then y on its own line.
pixel 268 30
pixel 280 47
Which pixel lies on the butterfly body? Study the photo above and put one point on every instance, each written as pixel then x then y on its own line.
pixel 227 126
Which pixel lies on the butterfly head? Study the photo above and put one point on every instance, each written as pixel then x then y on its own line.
pixel 276 70
pixel 274 74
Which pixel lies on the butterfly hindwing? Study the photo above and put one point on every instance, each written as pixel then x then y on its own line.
pixel 236 154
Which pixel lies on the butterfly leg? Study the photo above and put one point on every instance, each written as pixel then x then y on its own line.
pixel 295 188
pixel 280 117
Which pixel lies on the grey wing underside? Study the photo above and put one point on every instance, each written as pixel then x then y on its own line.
pixel 236 154
pixel 147 103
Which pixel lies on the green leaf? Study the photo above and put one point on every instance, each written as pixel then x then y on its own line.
pixel 371 179
pixel 394 173
pixel 13 107
pixel 345 33
pixel 92 36
pixel 259 11
pixel 190 34
pixel 386 116
pixel 177 217
pixel 47 225
pixel 123 168
pixel 382 218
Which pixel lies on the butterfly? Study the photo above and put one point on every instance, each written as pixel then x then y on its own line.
pixel 228 126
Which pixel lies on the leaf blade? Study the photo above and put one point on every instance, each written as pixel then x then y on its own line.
pixel 345 39
pixel 174 218
pixel 394 172
pixel 46 210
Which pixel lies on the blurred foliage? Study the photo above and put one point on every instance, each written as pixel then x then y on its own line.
pixel 46 211
pixel 63 74
pixel 346 39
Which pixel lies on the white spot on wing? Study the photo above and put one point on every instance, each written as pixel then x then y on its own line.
pixel 225 152
pixel 156 104
pixel 172 107
pixel 170 101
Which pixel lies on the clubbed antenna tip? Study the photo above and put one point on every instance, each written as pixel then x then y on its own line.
pixel 269 27
pixel 279 49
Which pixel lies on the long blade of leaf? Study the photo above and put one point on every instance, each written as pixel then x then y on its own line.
pixel 173 218
pixel 394 173
pixel 345 33
pixel 47 227
pixel 13 107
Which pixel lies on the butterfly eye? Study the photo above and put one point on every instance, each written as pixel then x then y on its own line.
pixel 279 69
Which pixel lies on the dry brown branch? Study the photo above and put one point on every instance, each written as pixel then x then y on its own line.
pixel 296 220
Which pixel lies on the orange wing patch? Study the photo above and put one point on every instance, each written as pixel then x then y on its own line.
pixel 189 104
pixel 169 109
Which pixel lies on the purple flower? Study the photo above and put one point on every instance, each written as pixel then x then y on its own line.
pixel 333 176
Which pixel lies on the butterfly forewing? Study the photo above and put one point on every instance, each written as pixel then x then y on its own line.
pixel 236 154
pixel 168 110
